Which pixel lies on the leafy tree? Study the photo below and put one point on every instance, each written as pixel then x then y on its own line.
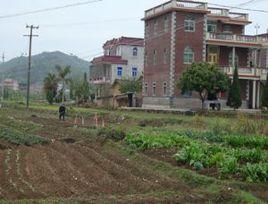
pixel 63 72
pixel 234 97
pixel 50 87
pixel 204 78
pixel 134 85
pixel 265 94
pixel 50 97
pixel 81 91
pixel 85 88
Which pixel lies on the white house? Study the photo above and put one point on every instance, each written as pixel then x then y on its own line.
pixel 123 58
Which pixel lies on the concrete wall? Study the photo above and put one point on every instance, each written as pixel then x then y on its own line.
pixel 133 61
pixel 164 102
pixel 114 75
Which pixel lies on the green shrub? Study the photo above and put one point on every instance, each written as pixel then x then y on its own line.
pixel 115 134
pixel 255 172
pixel 19 138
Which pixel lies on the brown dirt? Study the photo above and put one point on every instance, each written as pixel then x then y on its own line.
pixel 89 172
pixel 72 170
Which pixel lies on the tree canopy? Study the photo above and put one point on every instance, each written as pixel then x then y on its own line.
pixel 134 85
pixel 204 78
pixel 50 87
pixel 63 72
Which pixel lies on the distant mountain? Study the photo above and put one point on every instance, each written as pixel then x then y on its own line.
pixel 42 64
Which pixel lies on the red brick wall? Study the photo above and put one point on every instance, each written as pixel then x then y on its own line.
pixel 158 73
pixel 191 39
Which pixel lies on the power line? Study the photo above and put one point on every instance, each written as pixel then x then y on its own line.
pixel 247 2
pixel 90 23
pixel 49 9
pixel 238 8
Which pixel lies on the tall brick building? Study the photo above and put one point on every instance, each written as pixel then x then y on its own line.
pixel 180 32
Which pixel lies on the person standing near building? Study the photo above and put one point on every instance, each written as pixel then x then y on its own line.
pixel 62 111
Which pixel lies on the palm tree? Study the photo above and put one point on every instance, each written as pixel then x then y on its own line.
pixel 62 74
pixel 50 87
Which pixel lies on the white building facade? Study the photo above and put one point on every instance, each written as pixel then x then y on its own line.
pixel 123 59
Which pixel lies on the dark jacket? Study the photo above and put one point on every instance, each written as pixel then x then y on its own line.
pixel 62 109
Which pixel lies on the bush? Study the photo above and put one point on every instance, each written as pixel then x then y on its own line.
pixel 245 125
pixel 115 134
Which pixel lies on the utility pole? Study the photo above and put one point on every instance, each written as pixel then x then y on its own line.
pixel 257 27
pixel 3 57
pixel 2 79
pixel 31 27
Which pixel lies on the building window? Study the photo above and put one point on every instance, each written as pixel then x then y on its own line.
pixel 189 25
pixel 212 27
pixel 166 24
pixel 135 51
pixel 155 26
pixel 165 88
pixel 154 58
pixel 119 71
pixel 188 56
pixel 154 89
pixel 165 56
pixel 134 72
pixel 146 88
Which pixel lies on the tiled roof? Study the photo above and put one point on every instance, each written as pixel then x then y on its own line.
pixel 125 41
pixel 107 59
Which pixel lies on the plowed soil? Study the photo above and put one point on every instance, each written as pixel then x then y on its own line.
pixel 83 172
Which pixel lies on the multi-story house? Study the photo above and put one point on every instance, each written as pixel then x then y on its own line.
pixel 180 32
pixel 122 59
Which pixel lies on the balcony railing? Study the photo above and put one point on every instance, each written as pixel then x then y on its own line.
pixel 236 38
pixel 227 13
pixel 100 80
pixel 238 16
pixel 248 72
pixel 185 4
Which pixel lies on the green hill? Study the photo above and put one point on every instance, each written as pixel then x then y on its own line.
pixel 42 64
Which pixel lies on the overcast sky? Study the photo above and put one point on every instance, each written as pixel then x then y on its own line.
pixel 82 30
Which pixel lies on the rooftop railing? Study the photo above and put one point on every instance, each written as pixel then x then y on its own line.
pixel 226 13
pixel 176 4
pixel 194 5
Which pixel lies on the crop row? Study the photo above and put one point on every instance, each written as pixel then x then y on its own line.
pixel 170 137
pixel 207 150
pixel 248 164
pixel 20 138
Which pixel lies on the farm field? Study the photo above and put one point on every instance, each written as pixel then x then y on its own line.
pixel 131 157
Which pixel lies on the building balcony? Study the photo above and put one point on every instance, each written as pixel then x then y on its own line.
pixel 100 80
pixel 248 72
pixel 247 40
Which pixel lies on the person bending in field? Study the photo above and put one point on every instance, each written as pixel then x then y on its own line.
pixel 62 111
